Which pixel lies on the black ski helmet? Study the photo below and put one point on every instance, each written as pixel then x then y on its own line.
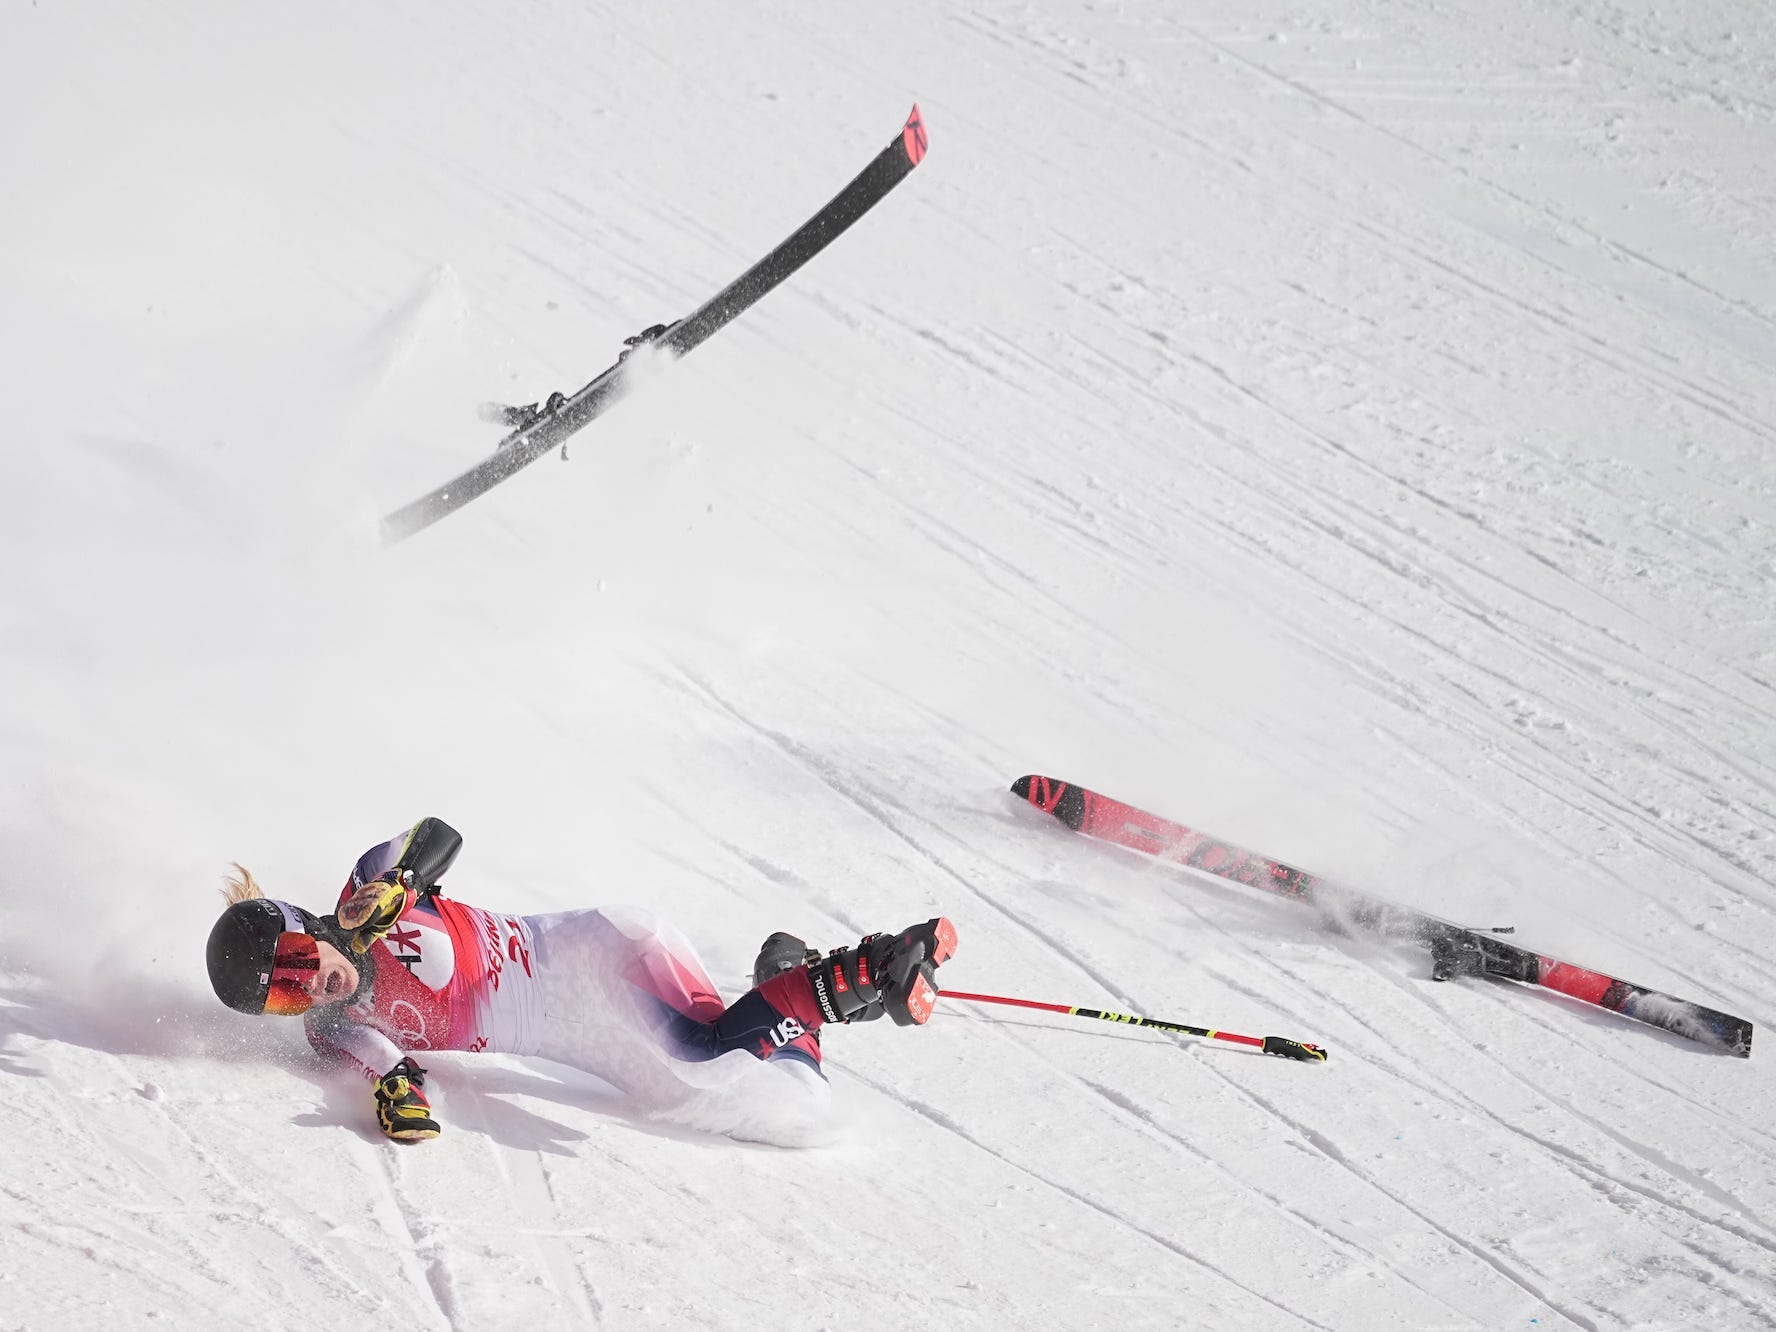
pixel 243 943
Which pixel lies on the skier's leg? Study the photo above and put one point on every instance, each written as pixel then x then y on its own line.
pixel 613 982
pixel 776 1020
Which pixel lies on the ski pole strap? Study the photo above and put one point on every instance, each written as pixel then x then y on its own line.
pixel 1273 1045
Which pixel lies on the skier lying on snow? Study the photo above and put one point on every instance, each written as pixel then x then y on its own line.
pixel 616 992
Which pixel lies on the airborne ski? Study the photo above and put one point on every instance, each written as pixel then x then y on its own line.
pixel 1456 950
pixel 539 429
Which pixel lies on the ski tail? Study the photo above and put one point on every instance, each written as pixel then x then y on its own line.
pixel 536 432
pixel 1455 951
pixel 1681 1017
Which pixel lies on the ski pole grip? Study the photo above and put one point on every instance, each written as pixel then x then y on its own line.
pixel 1288 1049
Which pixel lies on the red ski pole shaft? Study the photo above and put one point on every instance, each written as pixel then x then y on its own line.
pixel 1276 1045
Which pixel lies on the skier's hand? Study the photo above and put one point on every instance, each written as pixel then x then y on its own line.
pixel 372 911
pixel 906 968
pixel 402 1111
pixel 884 973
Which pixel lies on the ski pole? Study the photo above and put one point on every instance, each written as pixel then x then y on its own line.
pixel 1271 1045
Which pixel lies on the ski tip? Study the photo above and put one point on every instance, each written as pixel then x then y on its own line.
pixel 1051 796
pixel 913 138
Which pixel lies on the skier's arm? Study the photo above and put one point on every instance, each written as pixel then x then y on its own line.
pixel 389 878
pixel 351 1045
pixel 427 854
pixel 424 853
pixel 402 1110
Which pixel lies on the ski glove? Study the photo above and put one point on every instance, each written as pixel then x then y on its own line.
pixel 402 1111
pixel 372 911
pixel 893 974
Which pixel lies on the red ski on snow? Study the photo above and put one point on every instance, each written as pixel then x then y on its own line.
pixel 1455 949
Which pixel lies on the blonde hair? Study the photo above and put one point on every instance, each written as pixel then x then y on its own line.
pixel 241 886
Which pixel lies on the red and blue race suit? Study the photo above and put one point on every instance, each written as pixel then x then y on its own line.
pixel 615 991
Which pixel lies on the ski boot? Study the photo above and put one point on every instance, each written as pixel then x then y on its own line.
pixel 1456 953
pixel 779 953
pixel 892 974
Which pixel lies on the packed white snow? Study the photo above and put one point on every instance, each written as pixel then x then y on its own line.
pixel 1347 429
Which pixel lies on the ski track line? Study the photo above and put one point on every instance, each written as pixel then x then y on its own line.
pixel 1517 1011
pixel 758 866
pixel 1572 1159
pixel 1484 720
pixel 1421 492
pixel 1521 824
pixel 862 801
pixel 1165 130
pixel 1334 525
pixel 1541 1014
pixel 1467 175
pixel 1624 362
pixel 1709 1109
pixel 968 552
pixel 983 751
pixel 944 1122
pixel 1322 1145
pixel 1588 1171
pixel 1575 666
pixel 1399 240
pixel 535 1196
pixel 1325 1147
pixel 59 1232
pixel 1632 658
pixel 1529 1012
pixel 312 1257
pixel 1062 951
pixel 1680 1174
pixel 1145 1121
pixel 822 899
pixel 1352 1251
pixel 1588 797
pixel 1632 939
pixel 79 1239
pixel 421 1249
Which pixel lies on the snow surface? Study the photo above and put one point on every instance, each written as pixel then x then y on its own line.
pixel 1345 427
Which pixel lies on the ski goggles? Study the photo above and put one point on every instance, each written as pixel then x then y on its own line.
pixel 293 969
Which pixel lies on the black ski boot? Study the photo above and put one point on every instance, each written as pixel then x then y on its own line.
pixel 885 973
pixel 1456 953
pixel 781 952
